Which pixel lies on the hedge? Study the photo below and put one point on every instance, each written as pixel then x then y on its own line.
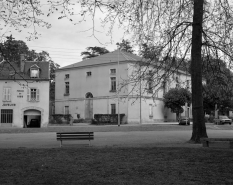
pixel 107 119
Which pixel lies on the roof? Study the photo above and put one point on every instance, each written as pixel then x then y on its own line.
pixel 12 71
pixel 107 58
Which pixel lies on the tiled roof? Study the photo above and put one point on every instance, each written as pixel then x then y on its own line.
pixel 111 57
pixel 12 71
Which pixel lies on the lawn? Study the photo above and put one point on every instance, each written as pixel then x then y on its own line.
pixel 114 165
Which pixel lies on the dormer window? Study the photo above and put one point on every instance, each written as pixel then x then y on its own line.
pixel 34 71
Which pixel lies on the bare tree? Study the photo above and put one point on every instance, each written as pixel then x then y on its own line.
pixel 184 29
pixel 178 29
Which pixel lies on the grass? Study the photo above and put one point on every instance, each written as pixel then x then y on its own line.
pixel 112 165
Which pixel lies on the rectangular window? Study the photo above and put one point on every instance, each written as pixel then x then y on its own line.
pixel 66 110
pixel 6 94
pixel 150 82
pixel 6 116
pixel 164 87
pixel 113 108
pixel 113 83
pixel 89 73
pixel 187 84
pixel 150 110
pixel 67 76
pixel 67 88
pixel 33 94
pixel 112 71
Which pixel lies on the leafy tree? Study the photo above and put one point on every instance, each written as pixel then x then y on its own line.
pixel 11 50
pixel 219 85
pixel 125 45
pixel 180 28
pixel 175 98
pixel 94 52
pixel 149 51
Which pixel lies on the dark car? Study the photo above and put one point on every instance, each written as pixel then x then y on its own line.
pixel 34 123
pixel 223 120
pixel 184 120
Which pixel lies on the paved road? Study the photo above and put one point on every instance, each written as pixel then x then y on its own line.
pixel 108 139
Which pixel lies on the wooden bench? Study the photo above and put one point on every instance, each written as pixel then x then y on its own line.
pixel 75 136
pixel 206 141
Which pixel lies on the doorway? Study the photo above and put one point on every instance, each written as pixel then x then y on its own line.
pixel 89 106
pixel 32 118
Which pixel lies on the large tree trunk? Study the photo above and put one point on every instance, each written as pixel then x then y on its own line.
pixel 199 129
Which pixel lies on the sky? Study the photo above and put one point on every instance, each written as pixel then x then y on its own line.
pixel 65 41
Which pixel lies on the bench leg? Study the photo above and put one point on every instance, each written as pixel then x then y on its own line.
pixel 231 144
pixel 205 143
pixel 60 143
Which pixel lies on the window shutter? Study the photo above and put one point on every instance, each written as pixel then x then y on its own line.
pixel 28 94
pixel 4 94
pixel 37 95
pixel 8 94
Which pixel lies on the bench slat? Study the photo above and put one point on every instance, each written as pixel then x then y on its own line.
pixel 75 133
pixel 216 139
pixel 75 136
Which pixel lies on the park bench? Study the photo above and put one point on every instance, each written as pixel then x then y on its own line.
pixel 206 141
pixel 75 136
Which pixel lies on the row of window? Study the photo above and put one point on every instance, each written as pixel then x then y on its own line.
pixel 113 109
pixel 89 73
pixel 32 94
pixel 112 86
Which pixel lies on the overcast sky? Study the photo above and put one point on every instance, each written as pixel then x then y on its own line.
pixel 65 41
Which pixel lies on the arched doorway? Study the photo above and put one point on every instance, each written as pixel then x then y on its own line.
pixel 89 106
pixel 32 118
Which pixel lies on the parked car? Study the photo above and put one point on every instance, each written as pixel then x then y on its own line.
pixel 34 123
pixel 184 120
pixel 223 120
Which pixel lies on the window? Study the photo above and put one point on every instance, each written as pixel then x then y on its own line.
pixel 150 110
pixel 187 84
pixel 6 94
pixel 6 116
pixel 33 94
pixel 113 108
pixel 67 88
pixel 164 87
pixel 89 73
pixel 150 82
pixel 112 71
pixel 34 73
pixel 66 110
pixel 67 76
pixel 113 84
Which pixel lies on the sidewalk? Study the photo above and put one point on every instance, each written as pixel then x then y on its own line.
pixel 108 139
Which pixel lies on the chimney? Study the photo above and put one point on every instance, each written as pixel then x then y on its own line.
pixel 22 62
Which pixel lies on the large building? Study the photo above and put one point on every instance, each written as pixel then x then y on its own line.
pixel 99 86
pixel 25 94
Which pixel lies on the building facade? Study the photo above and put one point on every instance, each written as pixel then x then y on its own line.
pixel 25 94
pixel 99 86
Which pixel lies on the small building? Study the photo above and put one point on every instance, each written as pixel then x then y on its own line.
pixel 25 94
pixel 94 86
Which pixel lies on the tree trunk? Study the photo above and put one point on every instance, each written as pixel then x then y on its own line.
pixel 199 128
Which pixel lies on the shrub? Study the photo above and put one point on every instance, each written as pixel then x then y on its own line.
pixel 111 119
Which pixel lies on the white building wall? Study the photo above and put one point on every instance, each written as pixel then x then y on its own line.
pixel 19 101
pixel 99 85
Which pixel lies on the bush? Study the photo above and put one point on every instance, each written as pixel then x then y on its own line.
pixel 80 120
pixel 107 119
pixel 61 118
